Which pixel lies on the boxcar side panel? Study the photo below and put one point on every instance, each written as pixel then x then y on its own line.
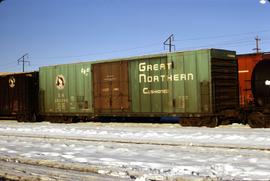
pixel 71 89
pixel 61 89
pixel 4 96
pixel 149 86
pixel 46 88
pixel 190 93
pixel 83 88
pixel 66 89
pixel 171 83
pixel 178 88
pixel 204 81
pixel 188 79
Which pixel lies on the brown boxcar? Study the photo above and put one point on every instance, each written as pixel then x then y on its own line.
pixel 19 96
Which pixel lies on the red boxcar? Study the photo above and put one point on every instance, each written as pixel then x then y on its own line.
pixel 246 64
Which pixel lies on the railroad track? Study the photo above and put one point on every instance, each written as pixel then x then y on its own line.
pixel 18 169
pixel 139 142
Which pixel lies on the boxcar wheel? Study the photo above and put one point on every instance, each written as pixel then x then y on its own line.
pixel 210 122
pixel 256 120
pixel 21 118
pixel 33 118
pixel 184 122
pixel 194 122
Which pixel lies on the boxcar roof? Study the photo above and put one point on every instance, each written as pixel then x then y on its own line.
pixel 14 73
pixel 134 57
pixel 249 54
pixel 4 73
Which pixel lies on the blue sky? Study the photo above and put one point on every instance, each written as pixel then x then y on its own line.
pixel 65 31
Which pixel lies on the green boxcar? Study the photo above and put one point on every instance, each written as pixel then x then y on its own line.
pixel 190 83
pixel 184 83
pixel 66 89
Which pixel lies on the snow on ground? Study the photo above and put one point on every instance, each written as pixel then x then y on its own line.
pixel 147 150
pixel 240 136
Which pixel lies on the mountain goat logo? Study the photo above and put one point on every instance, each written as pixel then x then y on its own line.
pixel 11 82
pixel 60 82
